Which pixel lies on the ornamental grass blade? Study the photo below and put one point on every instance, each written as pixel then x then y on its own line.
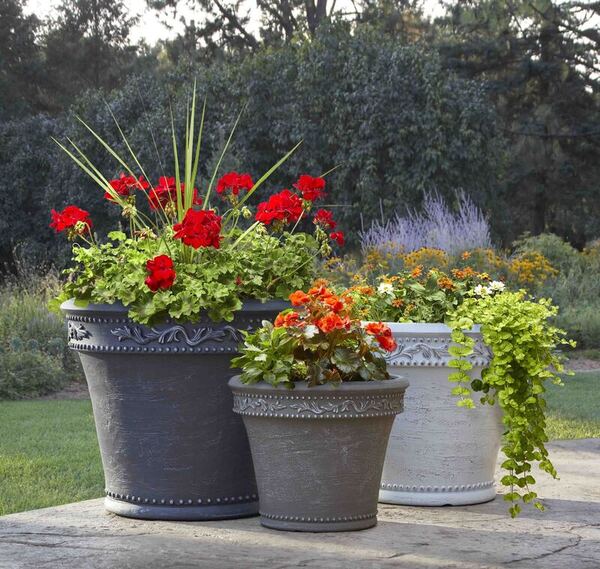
pixel 199 143
pixel 91 172
pixel 216 170
pixel 330 170
pixel 133 154
pixel 267 175
pixel 180 212
pixel 107 146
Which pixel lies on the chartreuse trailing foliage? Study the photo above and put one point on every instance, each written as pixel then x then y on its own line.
pixel 523 342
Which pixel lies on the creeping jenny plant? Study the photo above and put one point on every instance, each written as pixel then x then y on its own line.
pixel 523 342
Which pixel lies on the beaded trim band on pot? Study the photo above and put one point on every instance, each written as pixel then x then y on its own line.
pixel 181 502
pixel 319 519
pixel 457 488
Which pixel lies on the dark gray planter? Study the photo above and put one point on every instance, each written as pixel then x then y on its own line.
pixel 318 451
pixel 172 449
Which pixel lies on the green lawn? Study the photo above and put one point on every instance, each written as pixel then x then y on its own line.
pixel 49 454
pixel 574 410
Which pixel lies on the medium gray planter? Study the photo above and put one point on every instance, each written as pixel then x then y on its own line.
pixel 171 447
pixel 318 451
pixel 438 453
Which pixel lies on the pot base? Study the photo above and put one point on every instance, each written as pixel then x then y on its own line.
pixel 440 498
pixel 181 513
pixel 320 525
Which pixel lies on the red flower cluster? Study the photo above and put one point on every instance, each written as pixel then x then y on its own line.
pixel 234 182
pixel 69 217
pixel 285 207
pixel 338 237
pixel 382 334
pixel 165 192
pixel 125 185
pixel 161 274
pixel 324 218
pixel 199 229
pixel 311 188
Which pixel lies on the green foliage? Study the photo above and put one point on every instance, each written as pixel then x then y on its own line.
pixel 28 372
pixel 561 254
pixel 538 60
pixel 416 296
pixel 216 280
pixel 420 128
pixel 34 358
pixel 318 343
pixel 576 287
pixel 523 343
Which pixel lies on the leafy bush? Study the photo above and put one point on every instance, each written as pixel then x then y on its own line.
pixel 561 255
pixel 29 372
pixel 34 357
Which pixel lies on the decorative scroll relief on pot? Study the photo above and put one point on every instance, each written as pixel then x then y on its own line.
pixel 433 351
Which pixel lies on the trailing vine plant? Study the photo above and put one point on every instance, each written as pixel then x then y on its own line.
pixel 524 342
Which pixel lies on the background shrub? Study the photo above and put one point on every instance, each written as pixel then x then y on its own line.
pixel 388 115
pixel 34 357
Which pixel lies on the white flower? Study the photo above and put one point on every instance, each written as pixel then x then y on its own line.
pixel 386 288
pixel 310 331
pixel 481 290
pixel 496 286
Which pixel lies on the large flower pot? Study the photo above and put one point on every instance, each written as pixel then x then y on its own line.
pixel 318 451
pixel 171 447
pixel 438 454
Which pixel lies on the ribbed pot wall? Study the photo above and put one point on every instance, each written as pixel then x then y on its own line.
pixel 170 444
pixel 438 453
pixel 318 451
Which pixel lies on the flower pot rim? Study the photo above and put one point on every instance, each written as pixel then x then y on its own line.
pixel 396 382
pixel 425 328
pixel 251 305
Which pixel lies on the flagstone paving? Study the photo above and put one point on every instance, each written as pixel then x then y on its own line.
pixel 566 536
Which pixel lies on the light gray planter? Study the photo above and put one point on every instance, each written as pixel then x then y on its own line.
pixel 171 447
pixel 438 454
pixel 318 451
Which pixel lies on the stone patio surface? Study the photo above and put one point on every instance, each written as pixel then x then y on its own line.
pixel 566 536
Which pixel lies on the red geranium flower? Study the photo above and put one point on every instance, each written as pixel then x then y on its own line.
pixel 161 273
pixel 311 188
pixel 234 182
pixel 338 237
pixel 324 218
pixel 69 217
pixel 165 192
pixel 199 229
pixel 284 206
pixel 125 185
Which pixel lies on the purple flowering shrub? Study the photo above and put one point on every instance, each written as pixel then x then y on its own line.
pixel 436 226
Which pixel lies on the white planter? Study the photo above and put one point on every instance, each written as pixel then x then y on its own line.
pixel 438 454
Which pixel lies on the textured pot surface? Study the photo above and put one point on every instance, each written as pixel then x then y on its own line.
pixel 171 446
pixel 318 452
pixel 438 454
